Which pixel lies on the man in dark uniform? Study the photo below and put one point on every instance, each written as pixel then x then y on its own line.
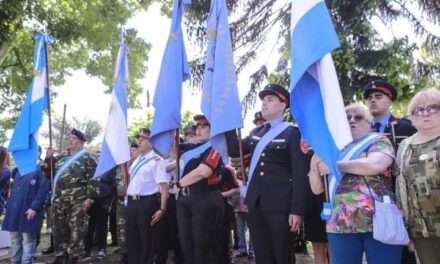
pixel 197 205
pixel 380 95
pixel 277 178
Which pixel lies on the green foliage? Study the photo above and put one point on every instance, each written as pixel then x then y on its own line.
pixel 90 128
pixel 363 54
pixel 87 37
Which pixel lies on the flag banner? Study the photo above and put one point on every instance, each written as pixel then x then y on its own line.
pixel 220 100
pixel 115 149
pixel 167 100
pixel 316 99
pixel 24 141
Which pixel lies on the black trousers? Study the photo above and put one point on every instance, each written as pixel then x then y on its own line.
pixel 223 233
pixel 270 236
pixel 167 236
pixel 113 223
pixel 139 232
pixel 97 227
pixel 196 220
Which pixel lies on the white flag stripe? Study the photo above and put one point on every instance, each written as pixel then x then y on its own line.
pixel 39 86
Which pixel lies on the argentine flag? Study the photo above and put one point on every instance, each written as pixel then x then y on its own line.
pixel 316 100
pixel 115 149
pixel 24 141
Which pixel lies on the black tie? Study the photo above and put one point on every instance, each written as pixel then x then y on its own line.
pixel 376 127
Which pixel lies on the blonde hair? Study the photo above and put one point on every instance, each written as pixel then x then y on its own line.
pixel 362 108
pixel 424 97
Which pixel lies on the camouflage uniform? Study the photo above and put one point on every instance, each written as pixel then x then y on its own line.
pixel 120 211
pixel 419 186
pixel 70 221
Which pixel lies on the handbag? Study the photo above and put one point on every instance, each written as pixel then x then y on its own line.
pixel 388 225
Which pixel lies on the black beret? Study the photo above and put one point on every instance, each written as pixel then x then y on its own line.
pixel 382 87
pixel 277 90
pixel 80 135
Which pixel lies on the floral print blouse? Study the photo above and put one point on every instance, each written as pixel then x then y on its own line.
pixel 353 207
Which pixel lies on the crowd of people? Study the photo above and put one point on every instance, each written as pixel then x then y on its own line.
pixel 271 188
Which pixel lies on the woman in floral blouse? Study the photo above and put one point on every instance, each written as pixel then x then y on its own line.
pixel 350 225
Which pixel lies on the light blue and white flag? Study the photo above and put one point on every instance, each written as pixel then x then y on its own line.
pixel 316 100
pixel 24 141
pixel 167 100
pixel 220 101
pixel 115 149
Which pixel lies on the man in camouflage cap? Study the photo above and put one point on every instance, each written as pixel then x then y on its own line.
pixel 73 193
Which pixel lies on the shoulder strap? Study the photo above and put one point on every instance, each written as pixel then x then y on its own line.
pixel 65 166
pixel 189 155
pixel 271 134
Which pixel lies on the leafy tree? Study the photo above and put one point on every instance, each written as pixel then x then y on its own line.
pixel 87 36
pixel 90 128
pixel 134 127
pixel 363 55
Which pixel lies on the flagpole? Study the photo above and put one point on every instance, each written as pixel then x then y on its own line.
pixel 62 128
pixel 176 148
pixel 240 147
pixel 48 108
pixel 125 176
pixel 48 93
pixel 326 193
pixel 51 163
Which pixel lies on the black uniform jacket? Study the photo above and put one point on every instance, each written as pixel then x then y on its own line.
pixel 279 179
pixel 402 129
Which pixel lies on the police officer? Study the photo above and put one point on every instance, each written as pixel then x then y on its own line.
pixel 277 178
pixel 147 195
pixel 73 194
pixel 380 96
pixel 197 205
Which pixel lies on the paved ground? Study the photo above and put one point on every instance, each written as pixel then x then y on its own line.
pixel 113 258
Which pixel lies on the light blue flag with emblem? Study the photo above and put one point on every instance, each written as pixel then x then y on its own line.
pixel 316 99
pixel 115 149
pixel 24 141
pixel 167 100
pixel 220 101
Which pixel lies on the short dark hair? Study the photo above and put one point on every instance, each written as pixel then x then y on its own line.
pixel 145 130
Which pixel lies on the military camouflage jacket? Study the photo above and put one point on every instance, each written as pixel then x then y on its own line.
pixel 418 186
pixel 76 182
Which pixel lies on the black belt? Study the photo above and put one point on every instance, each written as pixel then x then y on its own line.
pixel 142 197
pixel 188 191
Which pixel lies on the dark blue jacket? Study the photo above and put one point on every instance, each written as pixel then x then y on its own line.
pixel 5 177
pixel 28 191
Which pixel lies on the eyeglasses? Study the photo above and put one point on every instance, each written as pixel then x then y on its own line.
pixel 356 118
pixel 428 110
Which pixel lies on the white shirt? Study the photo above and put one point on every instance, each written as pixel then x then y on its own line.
pixel 145 177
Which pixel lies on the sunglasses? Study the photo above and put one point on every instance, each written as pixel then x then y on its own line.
pixel 428 110
pixel 356 118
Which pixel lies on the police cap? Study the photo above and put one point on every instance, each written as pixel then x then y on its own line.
pixel 380 86
pixel 277 90
pixel 201 120
pixel 258 117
